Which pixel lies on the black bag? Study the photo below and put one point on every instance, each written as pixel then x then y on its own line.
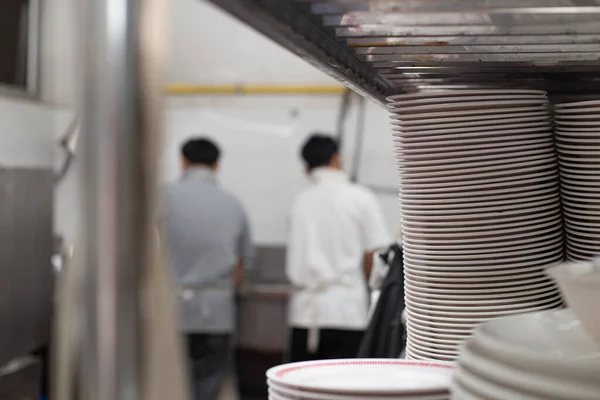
pixel 385 336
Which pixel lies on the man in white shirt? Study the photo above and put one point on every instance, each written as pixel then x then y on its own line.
pixel 335 227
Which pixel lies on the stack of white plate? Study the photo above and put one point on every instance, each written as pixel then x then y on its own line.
pixel 360 379
pixel 578 144
pixel 539 356
pixel 480 208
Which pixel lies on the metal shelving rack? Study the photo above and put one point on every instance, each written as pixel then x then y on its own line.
pixel 383 47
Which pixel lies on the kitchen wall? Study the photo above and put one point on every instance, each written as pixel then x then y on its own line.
pixel 26 134
pixel 260 135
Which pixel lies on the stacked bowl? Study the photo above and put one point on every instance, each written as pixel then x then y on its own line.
pixel 539 356
pixel 480 208
pixel 577 135
pixel 360 379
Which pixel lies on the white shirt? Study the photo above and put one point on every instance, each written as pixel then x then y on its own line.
pixel 333 223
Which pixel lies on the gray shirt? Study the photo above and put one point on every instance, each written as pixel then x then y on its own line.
pixel 207 233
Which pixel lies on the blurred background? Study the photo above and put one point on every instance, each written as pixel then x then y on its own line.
pixel 225 81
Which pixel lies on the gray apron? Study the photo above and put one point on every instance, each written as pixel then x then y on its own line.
pixel 208 308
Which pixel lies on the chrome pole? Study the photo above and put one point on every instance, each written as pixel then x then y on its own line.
pixel 120 138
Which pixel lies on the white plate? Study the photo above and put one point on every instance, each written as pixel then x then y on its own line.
pixel 461 392
pixel 575 134
pixel 584 200
pixel 583 214
pixel 469 119
pixel 428 152
pixel 490 390
pixel 472 312
pixel 431 163
pixel 508 198
pixel 577 149
pixel 402 126
pixel 418 355
pixel 566 130
pixel 582 149
pixel 487 112
pixel 578 104
pixel 459 186
pixel 541 124
pixel 582 245
pixel 415 284
pixel 584 173
pixel 471 138
pixel 467 217
pixel 488 105
pixel 283 392
pixel 459 318
pixel 581 206
pixel 525 245
pixel 473 279
pixel 552 343
pixel 454 93
pixel 496 379
pixel 562 112
pixel 364 376
pixel 467 190
pixel 435 266
pixel 550 336
pixel 464 99
pixel 592 230
pixel 439 330
pixel 436 337
pixel 425 243
pixel 435 351
pixel 457 325
pixel 475 166
pixel 489 293
pixel 580 160
pixel 577 117
pixel 583 237
pixel 506 193
pixel 443 273
pixel 478 207
pixel 420 342
pixel 579 153
pixel 576 189
pixel 576 123
pixel 487 258
pixel 575 177
pixel 477 231
pixel 459 303
pixel 592 141
pixel 434 148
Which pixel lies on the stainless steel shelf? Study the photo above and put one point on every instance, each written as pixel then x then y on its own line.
pixel 382 47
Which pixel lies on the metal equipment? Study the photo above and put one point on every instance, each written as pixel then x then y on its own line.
pixel 383 47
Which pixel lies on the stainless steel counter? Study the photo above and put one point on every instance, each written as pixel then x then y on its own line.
pixel 262 317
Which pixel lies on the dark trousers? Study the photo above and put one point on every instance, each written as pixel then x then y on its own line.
pixel 209 356
pixel 333 343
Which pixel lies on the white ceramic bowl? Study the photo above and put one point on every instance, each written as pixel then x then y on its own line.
pixel 580 284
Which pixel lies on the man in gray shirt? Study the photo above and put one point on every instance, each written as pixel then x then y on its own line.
pixel 209 239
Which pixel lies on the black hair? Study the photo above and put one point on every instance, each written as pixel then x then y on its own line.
pixel 319 150
pixel 200 151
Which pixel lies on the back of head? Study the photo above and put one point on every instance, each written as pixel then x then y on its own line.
pixel 200 152
pixel 320 151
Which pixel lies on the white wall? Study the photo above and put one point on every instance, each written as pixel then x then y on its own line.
pixel 261 138
pixel 210 46
pixel 26 134
pixel 260 135
pixel 59 52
